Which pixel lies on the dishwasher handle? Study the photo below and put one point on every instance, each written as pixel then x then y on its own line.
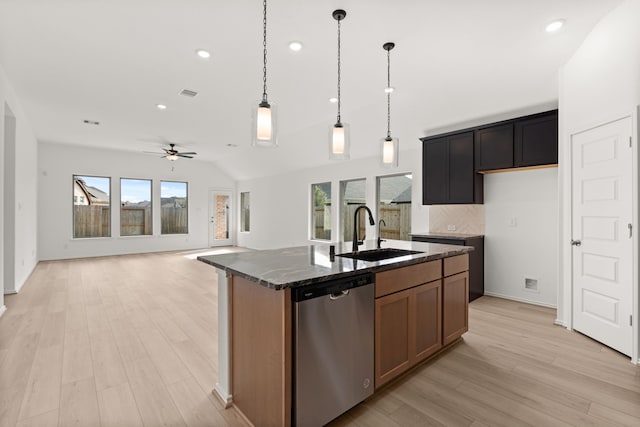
pixel 338 295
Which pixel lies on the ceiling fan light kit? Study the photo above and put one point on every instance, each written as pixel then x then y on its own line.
pixel 172 154
pixel 390 145
pixel 339 135
pixel 264 128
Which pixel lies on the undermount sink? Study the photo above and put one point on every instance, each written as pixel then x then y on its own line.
pixel 379 254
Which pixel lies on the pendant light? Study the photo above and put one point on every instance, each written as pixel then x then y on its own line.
pixel 389 145
pixel 264 132
pixel 339 132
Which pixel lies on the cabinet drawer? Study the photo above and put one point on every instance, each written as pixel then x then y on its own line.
pixel 456 264
pixel 401 278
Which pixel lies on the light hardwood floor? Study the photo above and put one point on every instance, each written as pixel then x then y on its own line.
pixel 131 341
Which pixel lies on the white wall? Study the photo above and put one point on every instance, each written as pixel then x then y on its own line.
pixel 521 225
pixel 600 83
pixel 24 210
pixel 280 205
pixel 59 162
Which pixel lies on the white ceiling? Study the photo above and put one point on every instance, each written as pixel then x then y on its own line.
pixel 112 61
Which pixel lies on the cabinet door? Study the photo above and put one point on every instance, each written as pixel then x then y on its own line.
pixel 461 172
pixel 428 331
pixel 494 147
pixel 536 141
pixel 393 331
pixel 435 171
pixel 448 174
pixel 455 307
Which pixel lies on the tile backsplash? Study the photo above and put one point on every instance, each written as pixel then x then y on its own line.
pixel 465 219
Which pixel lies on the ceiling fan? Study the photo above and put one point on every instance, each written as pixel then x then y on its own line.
pixel 172 154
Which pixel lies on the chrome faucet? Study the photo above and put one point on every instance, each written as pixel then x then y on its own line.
pixel 354 246
pixel 380 239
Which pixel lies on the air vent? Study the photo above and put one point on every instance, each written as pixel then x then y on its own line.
pixel 189 93
pixel 90 122
pixel 531 284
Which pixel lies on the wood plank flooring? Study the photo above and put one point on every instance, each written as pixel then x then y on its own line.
pixel 131 341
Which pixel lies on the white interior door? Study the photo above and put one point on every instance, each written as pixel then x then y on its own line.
pixel 220 225
pixel 602 209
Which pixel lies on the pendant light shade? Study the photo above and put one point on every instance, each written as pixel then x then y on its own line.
pixel 264 125
pixel 390 152
pixel 390 145
pixel 339 143
pixel 263 117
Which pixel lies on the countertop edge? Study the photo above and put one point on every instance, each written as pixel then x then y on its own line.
pixel 418 259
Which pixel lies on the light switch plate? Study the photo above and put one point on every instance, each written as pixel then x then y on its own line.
pixel 451 227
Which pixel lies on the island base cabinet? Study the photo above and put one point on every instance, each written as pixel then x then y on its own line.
pixel 407 329
pixel 261 360
pixel 455 307
pixel 427 320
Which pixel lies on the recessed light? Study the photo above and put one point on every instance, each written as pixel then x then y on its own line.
pixel 333 100
pixel 161 107
pixel 554 26
pixel 204 54
pixel 388 89
pixel 295 46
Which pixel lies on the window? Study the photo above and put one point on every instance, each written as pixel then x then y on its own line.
pixel 394 206
pixel 321 211
pixel 91 206
pixel 352 194
pixel 244 212
pixel 173 207
pixel 135 207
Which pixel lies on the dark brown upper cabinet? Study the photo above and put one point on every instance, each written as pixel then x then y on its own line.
pixel 494 147
pixel 448 175
pixel 453 163
pixel 536 141
pixel 523 142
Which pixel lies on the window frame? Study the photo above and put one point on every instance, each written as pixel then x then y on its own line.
pixel 150 207
pixel 378 211
pixel 73 209
pixel 343 219
pixel 186 183
pixel 242 211
pixel 312 206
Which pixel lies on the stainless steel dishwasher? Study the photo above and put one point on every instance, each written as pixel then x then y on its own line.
pixel 333 348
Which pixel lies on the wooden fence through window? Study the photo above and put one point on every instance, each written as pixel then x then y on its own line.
pixel 95 221
pixel 397 222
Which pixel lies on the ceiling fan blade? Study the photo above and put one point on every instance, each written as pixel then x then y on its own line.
pixel 152 152
pixel 186 157
pixel 190 153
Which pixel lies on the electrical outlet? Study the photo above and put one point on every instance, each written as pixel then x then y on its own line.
pixel 451 227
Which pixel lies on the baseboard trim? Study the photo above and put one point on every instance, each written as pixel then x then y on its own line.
pixel 223 397
pixel 559 323
pixel 512 298
pixel 2 310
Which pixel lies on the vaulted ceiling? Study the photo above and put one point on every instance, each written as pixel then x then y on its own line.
pixel 113 61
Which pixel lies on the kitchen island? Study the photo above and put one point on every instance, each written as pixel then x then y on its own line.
pixel 420 307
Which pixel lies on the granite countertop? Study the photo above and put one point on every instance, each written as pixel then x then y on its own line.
pixel 299 266
pixel 442 235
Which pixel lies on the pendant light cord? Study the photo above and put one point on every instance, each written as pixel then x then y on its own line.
pixel 338 121
pixel 388 93
pixel 264 51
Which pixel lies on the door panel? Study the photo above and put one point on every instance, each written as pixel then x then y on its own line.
pixel 601 217
pixel 220 230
